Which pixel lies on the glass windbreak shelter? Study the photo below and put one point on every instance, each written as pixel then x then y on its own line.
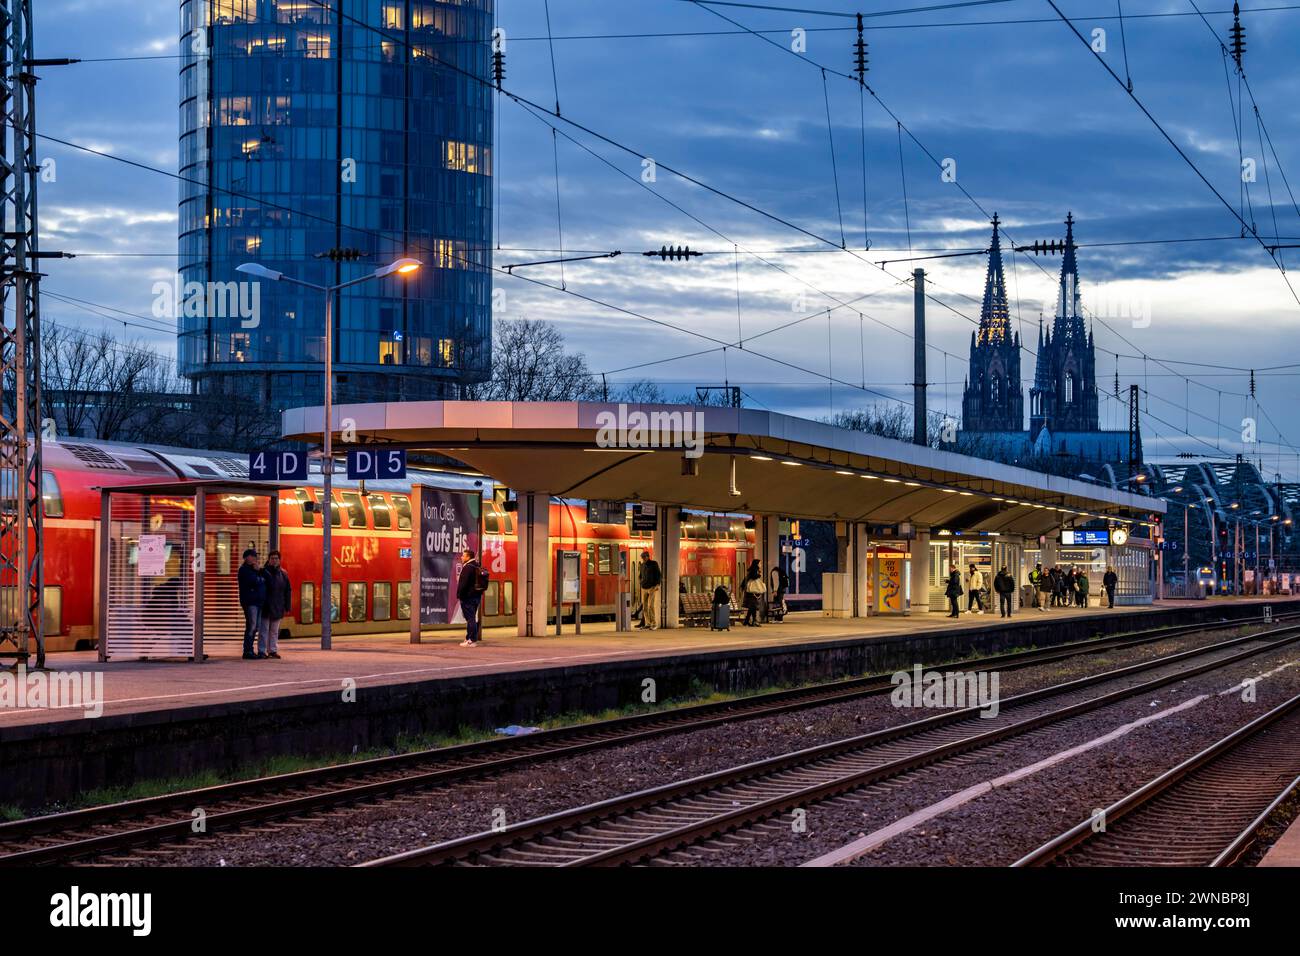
pixel 989 553
pixel 169 556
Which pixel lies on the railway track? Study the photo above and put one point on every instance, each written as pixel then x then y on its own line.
pixel 1204 812
pixel 643 826
pixel 100 832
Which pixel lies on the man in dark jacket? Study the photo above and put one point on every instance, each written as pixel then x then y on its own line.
pixel 1110 581
pixel 275 605
pixel 953 592
pixel 1005 585
pixel 252 594
pixel 650 579
pixel 469 591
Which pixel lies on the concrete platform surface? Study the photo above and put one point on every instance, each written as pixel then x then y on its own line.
pixel 1286 851
pixel 132 686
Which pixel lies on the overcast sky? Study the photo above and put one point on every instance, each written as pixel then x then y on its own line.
pixel 1033 123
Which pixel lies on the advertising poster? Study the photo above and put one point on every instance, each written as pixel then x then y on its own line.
pixel 889 585
pixel 449 522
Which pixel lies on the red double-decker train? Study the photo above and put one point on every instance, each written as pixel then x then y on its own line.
pixel 371 541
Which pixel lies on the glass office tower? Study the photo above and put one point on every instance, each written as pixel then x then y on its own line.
pixel 312 125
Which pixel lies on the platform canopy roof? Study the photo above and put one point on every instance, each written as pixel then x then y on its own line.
pixel 783 465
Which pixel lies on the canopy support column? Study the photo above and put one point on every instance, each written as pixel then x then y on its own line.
pixel 534 551
pixel 920 582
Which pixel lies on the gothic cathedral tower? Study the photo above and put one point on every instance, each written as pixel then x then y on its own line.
pixel 1064 396
pixel 994 400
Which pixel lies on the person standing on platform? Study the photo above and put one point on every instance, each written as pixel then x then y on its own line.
pixel 469 591
pixel 976 582
pixel 1005 585
pixel 1036 585
pixel 651 578
pixel 1110 581
pixel 275 605
pixel 754 592
pixel 1081 585
pixel 252 593
pixel 953 592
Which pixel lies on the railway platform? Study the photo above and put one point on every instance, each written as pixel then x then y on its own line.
pixel 160 719
pixel 1286 851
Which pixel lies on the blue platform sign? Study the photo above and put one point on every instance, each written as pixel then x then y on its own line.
pixel 277 466
pixel 376 464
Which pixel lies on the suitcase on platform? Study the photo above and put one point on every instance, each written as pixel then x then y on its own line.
pixel 722 617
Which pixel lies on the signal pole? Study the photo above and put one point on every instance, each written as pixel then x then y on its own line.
pixel 22 576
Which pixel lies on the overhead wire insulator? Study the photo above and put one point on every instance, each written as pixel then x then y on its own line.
pixel 1238 35
pixel 1252 383
pixel 860 55
pixel 675 253
pixel 498 61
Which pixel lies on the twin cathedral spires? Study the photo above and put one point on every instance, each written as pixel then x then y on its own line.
pixel 1064 394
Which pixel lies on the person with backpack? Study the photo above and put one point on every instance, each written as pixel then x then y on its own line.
pixel 1081 586
pixel 1036 586
pixel 780 585
pixel 469 591
pixel 650 579
pixel 1005 586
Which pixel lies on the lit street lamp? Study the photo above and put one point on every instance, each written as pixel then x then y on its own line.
pixel 398 267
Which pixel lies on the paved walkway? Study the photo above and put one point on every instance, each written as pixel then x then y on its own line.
pixel 133 686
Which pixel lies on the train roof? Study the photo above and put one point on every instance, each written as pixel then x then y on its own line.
pixel 154 462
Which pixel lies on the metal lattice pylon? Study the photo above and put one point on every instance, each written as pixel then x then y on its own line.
pixel 21 508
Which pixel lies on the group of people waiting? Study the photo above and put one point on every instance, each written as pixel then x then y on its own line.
pixel 1068 586
pixel 1056 587
pixel 264 595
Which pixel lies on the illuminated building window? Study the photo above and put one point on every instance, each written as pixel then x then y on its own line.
pixel 467 158
pixel 239 345
pixel 447 351
pixel 253 243
pixel 389 352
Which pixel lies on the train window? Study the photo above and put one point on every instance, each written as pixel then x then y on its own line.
pixel 356 601
pixel 383 600
pixel 606 559
pixel 403 600
pixel 382 514
pixel 356 511
pixel 402 505
pixel 52 605
pixel 336 519
pixel 306 497
pixel 51 495
pixel 336 599
pixel 508 597
pixel 307 604
pixel 491 522
pixel 591 557
pixel 492 599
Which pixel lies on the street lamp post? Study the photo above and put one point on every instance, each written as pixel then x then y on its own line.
pixel 398 267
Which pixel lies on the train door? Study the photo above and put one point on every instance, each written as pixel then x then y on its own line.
pixel 742 566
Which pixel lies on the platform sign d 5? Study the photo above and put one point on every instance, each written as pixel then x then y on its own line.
pixel 376 464
pixel 277 466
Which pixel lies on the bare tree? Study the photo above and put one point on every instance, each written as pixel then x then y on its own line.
pixel 71 376
pixel 530 364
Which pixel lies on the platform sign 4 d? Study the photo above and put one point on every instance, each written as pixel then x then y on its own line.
pixel 376 464
pixel 277 466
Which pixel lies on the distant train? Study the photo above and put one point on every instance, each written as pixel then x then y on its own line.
pixel 371 542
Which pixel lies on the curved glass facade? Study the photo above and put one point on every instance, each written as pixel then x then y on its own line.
pixel 307 127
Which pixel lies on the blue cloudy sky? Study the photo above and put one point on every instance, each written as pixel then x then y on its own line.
pixel 1033 121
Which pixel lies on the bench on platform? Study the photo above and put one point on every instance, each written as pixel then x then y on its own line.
pixel 697 609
